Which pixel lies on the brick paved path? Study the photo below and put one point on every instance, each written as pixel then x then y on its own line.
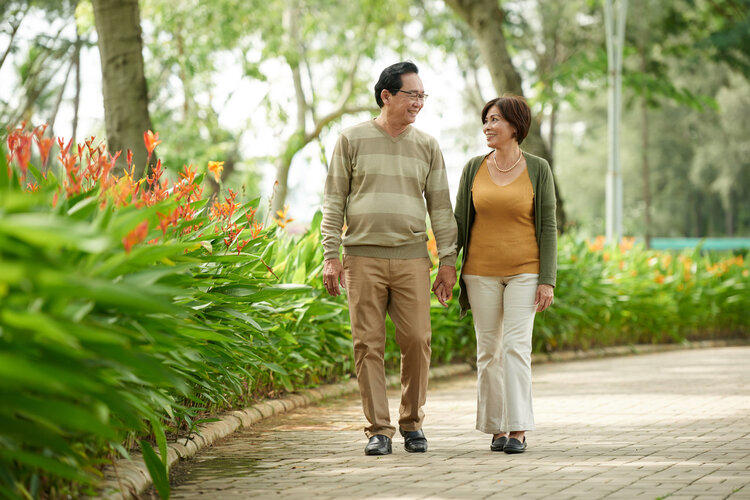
pixel 673 424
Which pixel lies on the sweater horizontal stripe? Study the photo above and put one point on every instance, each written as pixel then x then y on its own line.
pixel 383 188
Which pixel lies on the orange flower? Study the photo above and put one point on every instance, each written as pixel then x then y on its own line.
pixel 187 174
pixel 241 245
pixel 163 222
pixel 151 140
pixel 135 236
pixel 216 168
pixel 44 144
pixel 598 244
pixel 626 244
pixel 659 278
pixel 39 131
pixel 63 148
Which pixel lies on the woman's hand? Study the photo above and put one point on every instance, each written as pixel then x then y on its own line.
pixel 544 296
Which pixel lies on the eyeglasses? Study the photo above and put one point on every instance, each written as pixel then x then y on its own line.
pixel 413 95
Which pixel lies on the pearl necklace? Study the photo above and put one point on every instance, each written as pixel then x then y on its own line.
pixel 494 160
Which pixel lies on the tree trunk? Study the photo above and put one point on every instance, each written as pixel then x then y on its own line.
pixel 552 130
pixel 77 97
pixel 485 19
pixel 126 114
pixel 646 173
pixel 728 215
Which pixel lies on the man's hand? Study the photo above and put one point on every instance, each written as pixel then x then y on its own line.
pixel 544 297
pixel 444 283
pixel 333 274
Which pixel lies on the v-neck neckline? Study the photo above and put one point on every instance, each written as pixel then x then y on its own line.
pixel 398 138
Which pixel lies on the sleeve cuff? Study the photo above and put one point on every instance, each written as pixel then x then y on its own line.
pixel 448 260
pixel 331 254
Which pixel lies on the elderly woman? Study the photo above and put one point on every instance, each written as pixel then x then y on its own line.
pixel 505 210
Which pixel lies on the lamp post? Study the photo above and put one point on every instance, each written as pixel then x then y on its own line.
pixel 614 24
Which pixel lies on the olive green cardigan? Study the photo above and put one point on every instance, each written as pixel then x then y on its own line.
pixel 545 221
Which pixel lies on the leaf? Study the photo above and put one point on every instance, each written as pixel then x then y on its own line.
pixel 53 465
pixel 274 367
pixel 161 439
pixel 156 469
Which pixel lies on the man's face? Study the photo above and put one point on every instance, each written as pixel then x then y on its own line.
pixel 403 106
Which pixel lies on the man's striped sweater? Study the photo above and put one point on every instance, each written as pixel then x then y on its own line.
pixel 382 185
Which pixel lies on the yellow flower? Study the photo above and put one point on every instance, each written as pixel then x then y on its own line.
pixel 216 168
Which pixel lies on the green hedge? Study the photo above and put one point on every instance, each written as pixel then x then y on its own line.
pixel 105 348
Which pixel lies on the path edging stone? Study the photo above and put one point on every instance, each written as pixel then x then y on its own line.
pixel 127 478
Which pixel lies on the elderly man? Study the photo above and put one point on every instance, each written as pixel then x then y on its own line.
pixel 381 174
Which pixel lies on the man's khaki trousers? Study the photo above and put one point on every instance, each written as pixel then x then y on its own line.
pixel 400 287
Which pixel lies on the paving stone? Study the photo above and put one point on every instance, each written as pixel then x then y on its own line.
pixel 663 424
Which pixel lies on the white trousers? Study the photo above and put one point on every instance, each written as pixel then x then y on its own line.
pixel 503 310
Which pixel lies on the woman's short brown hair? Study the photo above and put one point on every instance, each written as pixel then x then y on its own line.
pixel 514 110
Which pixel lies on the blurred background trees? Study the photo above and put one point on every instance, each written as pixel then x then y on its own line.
pixel 266 86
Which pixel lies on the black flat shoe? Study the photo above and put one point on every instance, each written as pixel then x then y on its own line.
pixel 515 446
pixel 414 441
pixel 378 445
pixel 499 443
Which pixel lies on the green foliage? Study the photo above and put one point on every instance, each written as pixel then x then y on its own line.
pixel 103 347
pixel 623 294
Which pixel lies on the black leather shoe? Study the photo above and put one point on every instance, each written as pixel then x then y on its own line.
pixel 499 443
pixel 378 445
pixel 414 441
pixel 515 446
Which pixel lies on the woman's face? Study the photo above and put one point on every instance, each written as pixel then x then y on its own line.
pixel 498 131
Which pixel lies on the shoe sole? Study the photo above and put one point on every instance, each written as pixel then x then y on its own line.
pixel 415 451
pixel 378 453
pixel 514 452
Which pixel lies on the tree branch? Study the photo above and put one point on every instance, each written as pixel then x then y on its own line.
pixel 293 58
pixel 333 116
pixel 13 31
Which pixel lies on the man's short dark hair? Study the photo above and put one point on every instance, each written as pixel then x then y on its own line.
pixel 514 110
pixel 390 78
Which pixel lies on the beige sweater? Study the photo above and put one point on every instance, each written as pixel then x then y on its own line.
pixel 383 187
